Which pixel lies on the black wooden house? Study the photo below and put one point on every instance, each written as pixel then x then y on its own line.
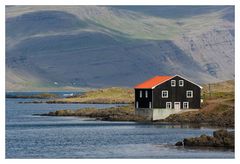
pixel 168 92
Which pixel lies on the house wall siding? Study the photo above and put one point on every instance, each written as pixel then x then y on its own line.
pixel 176 94
pixel 143 102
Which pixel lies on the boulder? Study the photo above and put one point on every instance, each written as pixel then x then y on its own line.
pixel 179 143
pixel 221 134
pixel 220 138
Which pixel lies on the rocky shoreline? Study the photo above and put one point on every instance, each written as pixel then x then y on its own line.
pixel 120 113
pixel 219 115
pixel 220 138
pixel 73 102
pixel 95 101
pixel 213 115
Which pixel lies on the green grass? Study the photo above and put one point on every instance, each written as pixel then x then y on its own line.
pixel 218 95
pixel 38 96
pixel 225 86
pixel 107 95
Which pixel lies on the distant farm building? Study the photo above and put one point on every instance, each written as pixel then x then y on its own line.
pixel 161 96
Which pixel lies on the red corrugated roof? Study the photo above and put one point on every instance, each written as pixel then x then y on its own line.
pixel 153 82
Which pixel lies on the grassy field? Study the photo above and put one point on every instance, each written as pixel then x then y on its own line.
pixel 101 96
pixel 223 90
pixel 226 86
pixel 218 90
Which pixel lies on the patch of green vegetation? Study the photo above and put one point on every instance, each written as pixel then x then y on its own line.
pixel 102 96
pixel 46 95
pixel 38 96
pixel 226 86
pixel 64 113
pixel 218 95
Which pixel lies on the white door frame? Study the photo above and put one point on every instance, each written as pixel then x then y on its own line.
pixel 170 105
pixel 179 103
pixel 137 105
pixel 150 104
pixel 185 102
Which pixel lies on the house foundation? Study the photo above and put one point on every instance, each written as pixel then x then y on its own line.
pixel 158 114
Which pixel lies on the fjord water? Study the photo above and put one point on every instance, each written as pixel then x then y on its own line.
pixel 29 136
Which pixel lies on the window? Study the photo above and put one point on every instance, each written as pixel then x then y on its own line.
pixel 168 105
pixel 150 104
pixel 173 83
pixel 185 105
pixel 181 83
pixel 165 94
pixel 136 104
pixel 140 94
pixel 146 94
pixel 189 94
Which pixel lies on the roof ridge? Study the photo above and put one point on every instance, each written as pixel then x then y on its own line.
pixel 152 82
pixel 157 80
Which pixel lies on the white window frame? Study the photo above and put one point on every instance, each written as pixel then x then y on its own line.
pixel 187 107
pixel 163 93
pixel 140 94
pixel 181 84
pixel 167 103
pixel 137 105
pixel 146 94
pixel 190 91
pixel 173 83
pixel 150 104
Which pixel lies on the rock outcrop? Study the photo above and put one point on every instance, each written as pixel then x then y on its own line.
pixel 120 113
pixel 220 138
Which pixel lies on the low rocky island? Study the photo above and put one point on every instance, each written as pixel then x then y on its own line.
pixel 34 96
pixel 120 113
pixel 220 138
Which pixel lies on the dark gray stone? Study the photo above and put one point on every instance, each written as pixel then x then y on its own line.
pixel 179 143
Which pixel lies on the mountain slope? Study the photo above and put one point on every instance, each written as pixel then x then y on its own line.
pixel 97 46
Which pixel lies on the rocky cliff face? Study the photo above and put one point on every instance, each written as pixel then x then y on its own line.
pixel 214 51
pixel 114 46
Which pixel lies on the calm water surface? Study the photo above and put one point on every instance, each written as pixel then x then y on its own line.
pixel 29 136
